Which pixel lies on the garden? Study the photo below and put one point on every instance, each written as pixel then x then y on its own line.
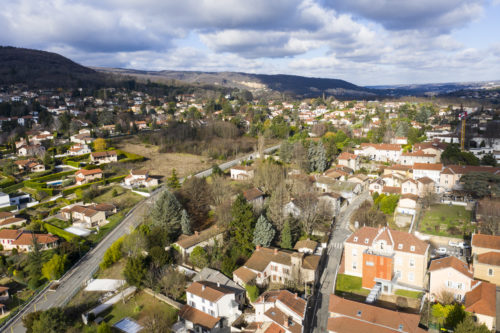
pixel 446 220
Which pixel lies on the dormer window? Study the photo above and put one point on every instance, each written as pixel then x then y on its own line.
pixel 400 246
pixel 412 248
pixel 400 327
pixel 355 238
pixel 366 240
pixel 359 313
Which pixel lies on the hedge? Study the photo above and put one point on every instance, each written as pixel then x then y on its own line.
pixel 7 183
pixel 85 186
pixel 68 236
pixel 33 185
pixel 8 208
pixel 12 188
pixel 54 176
pixel 72 163
pixel 129 157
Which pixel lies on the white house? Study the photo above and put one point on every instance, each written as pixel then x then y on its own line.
pixel 349 160
pixel 79 149
pixel 210 307
pixel 186 244
pixel 432 171
pixel 242 172
pixel 419 156
pixel 383 152
pixel 407 204
pixel 140 178
pixel 281 308
pixel 450 275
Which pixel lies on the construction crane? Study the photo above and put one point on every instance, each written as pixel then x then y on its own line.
pixel 463 117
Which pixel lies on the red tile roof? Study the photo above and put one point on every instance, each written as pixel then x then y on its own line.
pixel 489 258
pixel 482 299
pixel 450 262
pixel 486 241
pixel 89 172
pixel 198 317
pixel 252 194
pixel 428 166
pixel 347 156
pixel 382 146
pixel 391 189
pixel 418 153
pixel 464 169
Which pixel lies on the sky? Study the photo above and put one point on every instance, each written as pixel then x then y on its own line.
pixel 366 42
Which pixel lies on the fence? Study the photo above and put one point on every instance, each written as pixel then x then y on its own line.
pixel 164 299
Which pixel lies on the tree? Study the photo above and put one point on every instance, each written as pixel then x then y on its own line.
pixel 35 261
pixel 195 196
pixel 453 155
pixel 286 236
pixel 268 175
pixel 366 215
pixel 50 321
pixel 317 157
pixel 100 144
pixel 166 213
pixel 440 312
pixel 286 151
pixel 135 270
pixel 242 224
pixel 468 325
pixel 185 223
pixel 389 203
pixel 264 232
pixel 112 254
pixel 300 156
pixel 481 184
pixel 489 211
pixel 157 322
pixel 172 283
pixel 135 243
pixel 489 159
pixel 313 211
pixel 456 315
pixel 429 198
pixel 54 268
pixel 173 180
pixel 199 257
pixel 216 170
pixel 159 257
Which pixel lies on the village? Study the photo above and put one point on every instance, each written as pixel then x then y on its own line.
pixel 388 210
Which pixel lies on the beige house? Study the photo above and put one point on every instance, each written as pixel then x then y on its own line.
pixel 451 174
pixel 481 303
pixel 485 243
pixel 391 258
pixel 349 160
pixel 23 240
pixel 416 157
pixel 382 152
pixel 407 204
pixel 451 275
pixel 425 185
pixel 242 172
pixel 87 176
pixel 8 219
pixel 487 267
pixel 102 157
pixel 186 244
pixel 409 186
pixel 140 178
pixel 30 165
pixel 281 308
pixel 405 171
pixel 267 265
pixel 85 216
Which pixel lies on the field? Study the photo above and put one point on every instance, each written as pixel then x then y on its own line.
pixel 162 164
pixel 445 220
pixel 123 198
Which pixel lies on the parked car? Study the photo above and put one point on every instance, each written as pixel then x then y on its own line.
pixel 441 250
pixel 463 245
pixel 453 243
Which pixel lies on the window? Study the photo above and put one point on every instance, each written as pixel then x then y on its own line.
pixel 412 248
pixel 204 309
pixel 458 297
pixel 449 284
pixel 369 263
pixel 286 271
pixel 366 240
pixel 358 313
pixel 490 271
pixel 411 276
pixel 412 262
pixel 400 327
pixel 355 239
pixel 459 285
pixel 354 252
pixel 400 246
pixel 399 261
pixel 211 304
pixel 193 304
pixel 212 313
pixel 203 300
pixel 354 265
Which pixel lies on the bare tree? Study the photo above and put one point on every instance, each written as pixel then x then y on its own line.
pixel 313 211
pixel 157 322
pixel 268 175
pixel 173 283
pixel 221 189
pixel 445 297
pixel 279 197
pixel 260 146
pixel 429 198
pixel 300 156
pixel 489 216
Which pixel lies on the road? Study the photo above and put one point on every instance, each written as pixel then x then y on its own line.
pixel 81 272
pixel 335 248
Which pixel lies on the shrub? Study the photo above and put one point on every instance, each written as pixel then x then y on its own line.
pixel 68 236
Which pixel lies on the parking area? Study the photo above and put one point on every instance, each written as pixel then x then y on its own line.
pixel 448 250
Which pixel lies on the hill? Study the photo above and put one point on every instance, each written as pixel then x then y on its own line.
pixel 42 69
pixel 292 84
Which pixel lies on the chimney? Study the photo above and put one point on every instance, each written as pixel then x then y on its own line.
pixel 296 296
pixel 218 284
pixel 257 248
pixel 275 251
pixel 202 287
pixel 196 233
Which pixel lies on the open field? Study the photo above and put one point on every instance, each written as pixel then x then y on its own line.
pixel 445 220
pixel 162 164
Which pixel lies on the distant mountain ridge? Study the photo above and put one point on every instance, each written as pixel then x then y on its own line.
pixel 293 84
pixel 41 69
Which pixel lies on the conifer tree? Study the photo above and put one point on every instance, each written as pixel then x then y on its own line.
pixel 173 181
pixel 166 213
pixel 263 233
pixel 241 227
pixel 286 236
pixel 185 223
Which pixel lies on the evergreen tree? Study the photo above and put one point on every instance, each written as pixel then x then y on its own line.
pixel 317 157
pixel 185 223
pixel 173 181
pixel 286 236
pixel 35 265
pixel 242 224
pixel 166 213
pixel 286 151
pixel 135 270
pixel 489 159
pixel 264 232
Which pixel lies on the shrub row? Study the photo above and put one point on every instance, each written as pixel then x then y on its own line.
pixel 8 208
pixel 12 188
pixel 85 186
pixel 68 236
pixel 53 176
pixel 129 157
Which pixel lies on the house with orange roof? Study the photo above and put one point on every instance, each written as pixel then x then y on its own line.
pixel 388 258
pixel 486 257
pixel 242 172
pixel 349 160
pixel 79 149
pixel 208 237
pixel 451 275
pixel 30 165
pixel 382 152
pixel 481 303
pixel 451 174
pixel 84 176
pixel 102 157
pixel 210 307
pixel 282 308
pixel 432 171
pixel 8 219
pixel 140 178
pixel 347 316
pixel 23 240
pixel 419 156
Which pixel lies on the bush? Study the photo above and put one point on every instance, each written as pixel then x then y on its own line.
pixel 68 236
pixel 389 203
pixel 112 254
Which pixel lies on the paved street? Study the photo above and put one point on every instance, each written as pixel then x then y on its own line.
pixel 76 277
pixel 335 248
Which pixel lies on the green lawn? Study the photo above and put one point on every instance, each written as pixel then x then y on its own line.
pixel 59 223
pixel 408 293
pixel 445 220
pixel 139 307
pixel 114 220
pixel 123 199
pixel 350 284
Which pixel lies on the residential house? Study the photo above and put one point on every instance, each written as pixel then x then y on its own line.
pixel 31 150
pixel 394 259
pixel 449 275
pixel 394 180
pixel 450 176
pixel 432 171
pixel 403 170
pixel 30 165
pixel 82 138
pixel 390 190
pixel 242 172
pixel 307 203
pixel 211 275
pixel 138 178
pixel 399 140
pixel 435 148
pixel 346 316
pixel 42 136
pixel 306 246
pixel 210 307
pixel 419 156
pixel 79 149
pixel 425 185
pixel 382 152
pixel 4 200
pixel 4 293
pixel 23 240
pixel 84 216
pixel 347 190
pixel 102 157
pixel 349 160
pixel 282 308
pixel 186 244
pixel 409 186
pixel 486 257
pixel 255 197
pixel 376 186
pixel 407 204
pixel 8 219
pixel 84 176
pixel 361 179
pixel 481 303
pixel 267 265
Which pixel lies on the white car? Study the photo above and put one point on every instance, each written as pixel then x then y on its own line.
pixel 463 245
pixel 441 250
pixel 454 243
